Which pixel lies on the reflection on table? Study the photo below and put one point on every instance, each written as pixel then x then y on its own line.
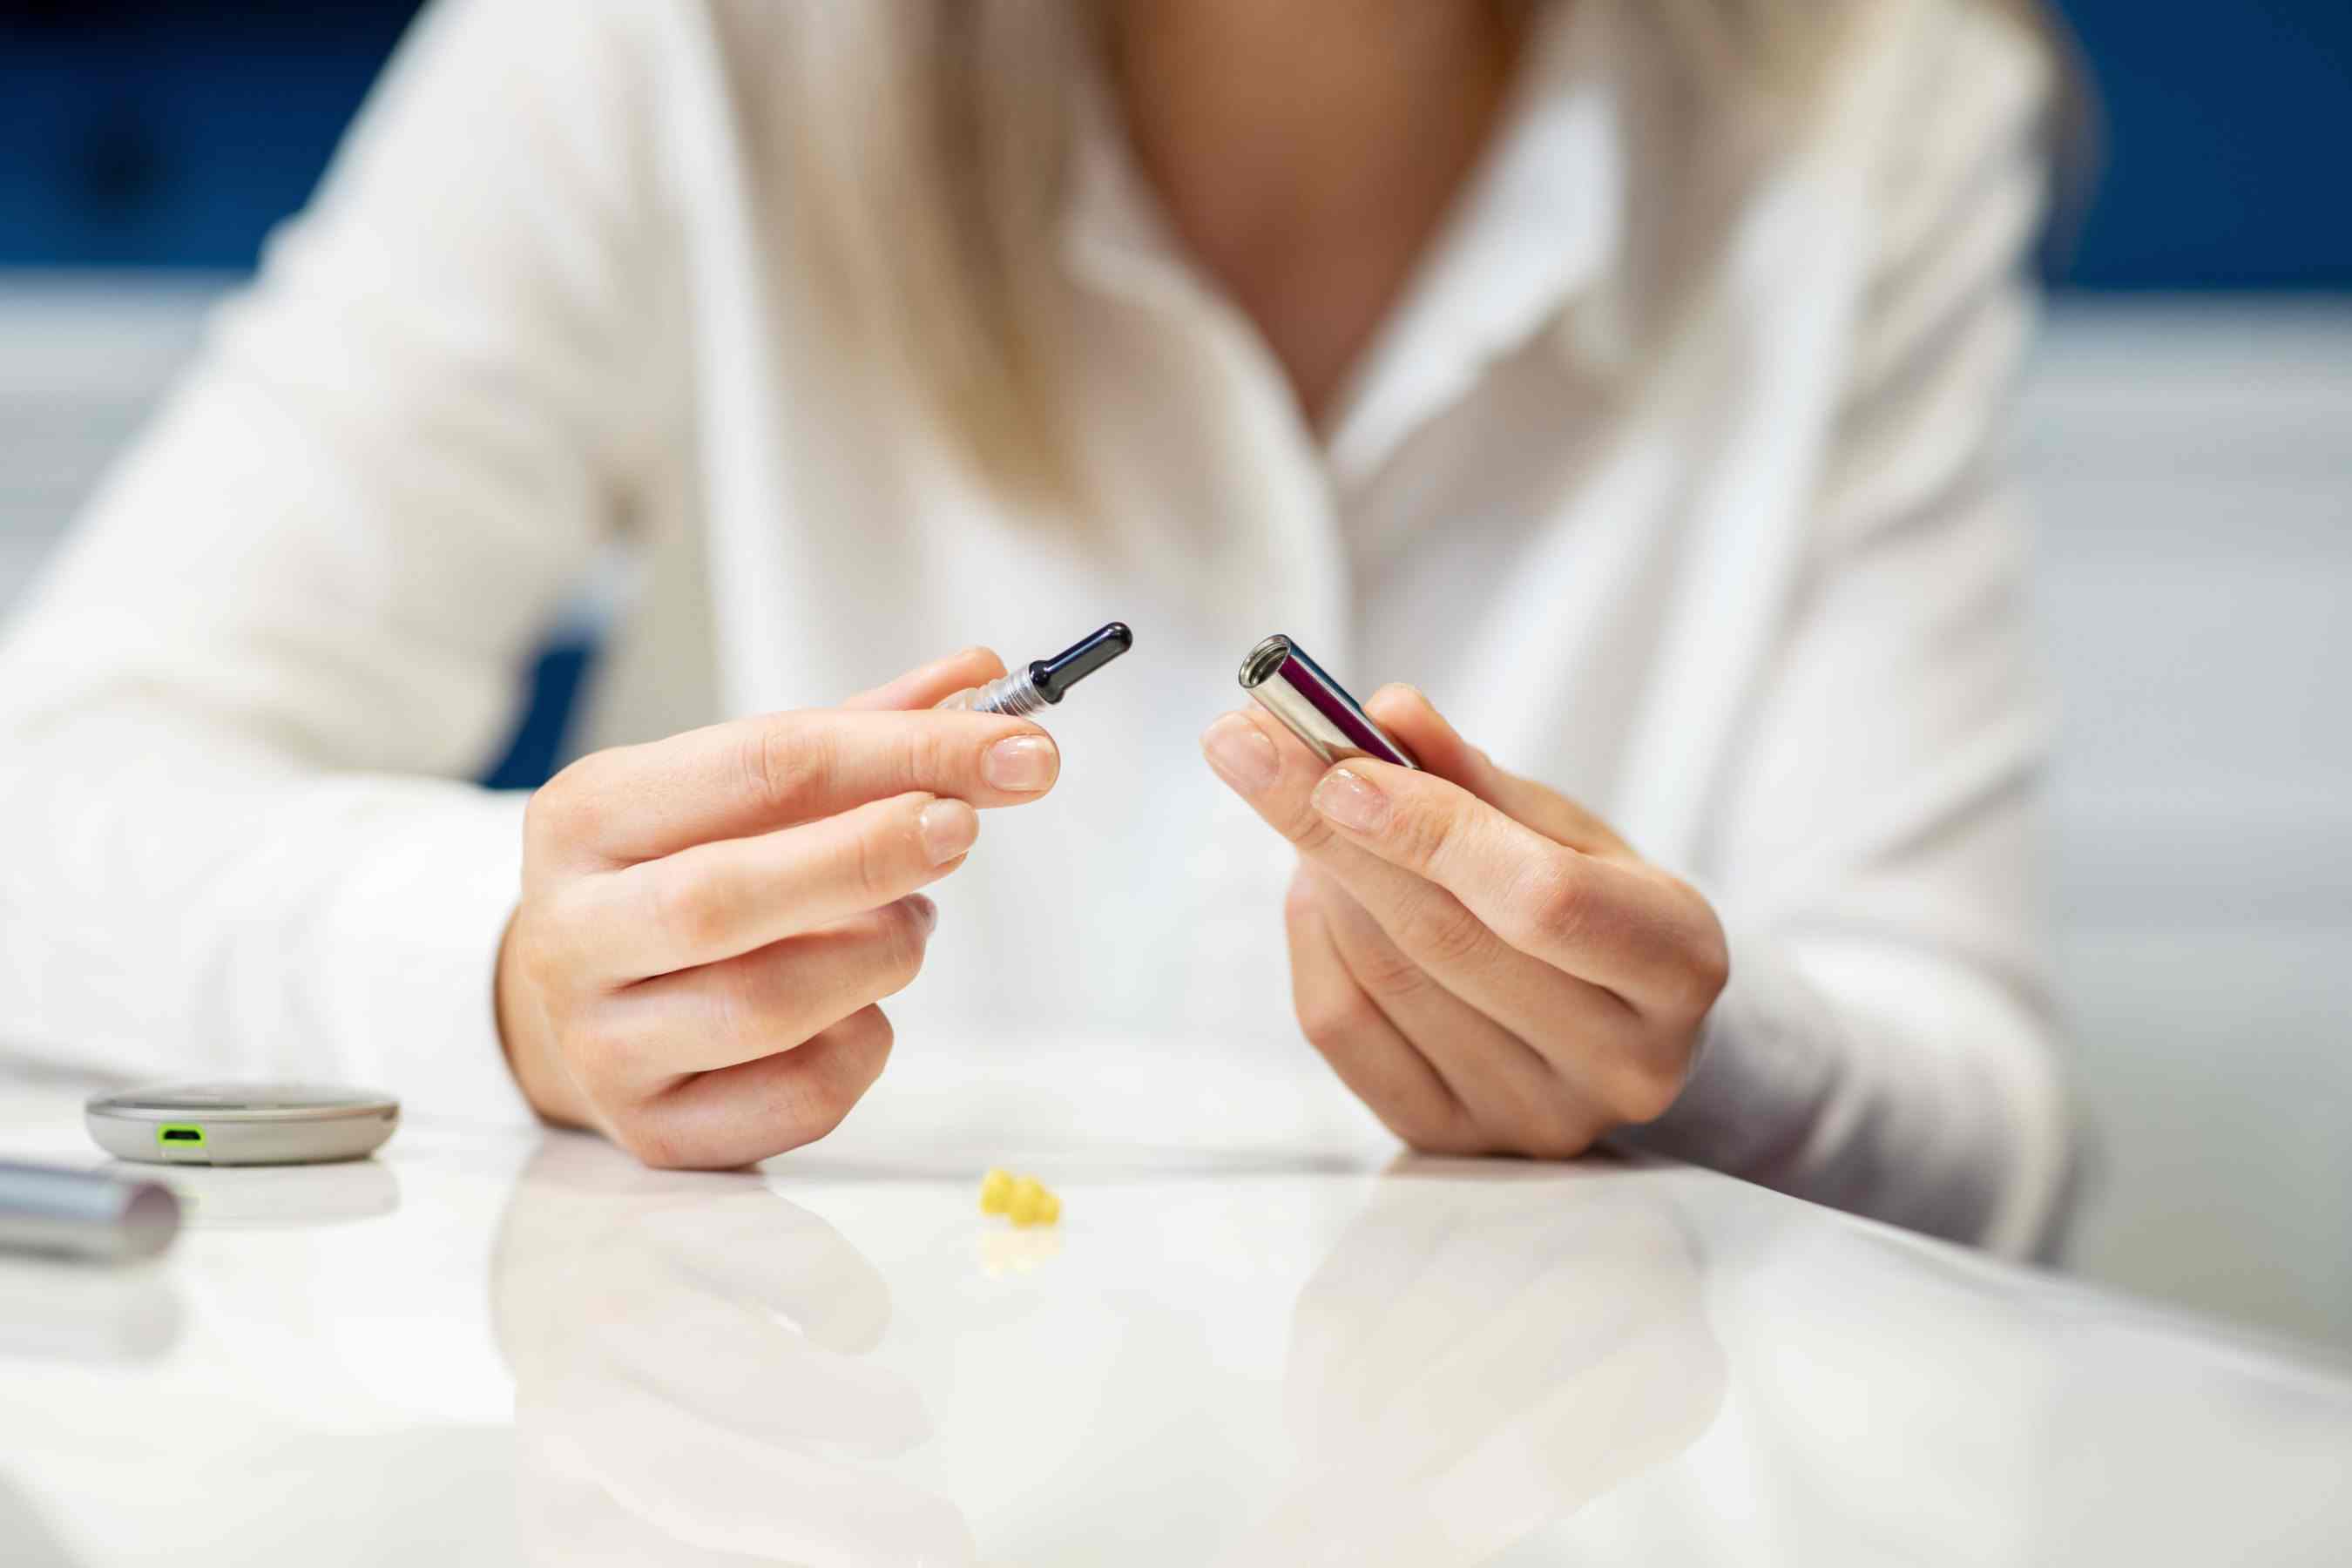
pixel 691 1381
pixel 1467 1366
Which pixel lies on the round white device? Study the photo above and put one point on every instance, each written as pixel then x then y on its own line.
pixel 241 1123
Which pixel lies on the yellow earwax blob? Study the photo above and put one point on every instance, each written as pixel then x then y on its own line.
pixel 1023 1200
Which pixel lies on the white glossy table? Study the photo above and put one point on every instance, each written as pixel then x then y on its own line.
pixel 494 1348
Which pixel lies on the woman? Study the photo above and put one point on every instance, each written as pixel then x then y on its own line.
pixel 1621 373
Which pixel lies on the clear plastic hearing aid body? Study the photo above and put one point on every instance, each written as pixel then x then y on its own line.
pixel 1046 682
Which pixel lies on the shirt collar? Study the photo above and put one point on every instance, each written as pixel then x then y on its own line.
pixel 1539 224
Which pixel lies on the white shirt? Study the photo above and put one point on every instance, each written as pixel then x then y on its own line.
pixel 1672 479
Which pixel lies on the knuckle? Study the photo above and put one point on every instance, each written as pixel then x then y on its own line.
pixel 737 1000
pixel 597 1054
pixel 539 815
pixel 784 764
pixel 1306 829
pixel 808 1106
pixel 1387 972
pixel 565 944
pixel 689 909
pixel 1708 973
pixel 817 1103
pixel 653 1143
pixel 1337 1018
pixel 563 810
pixel 1644 1088
pixel 1690 962
pixel 1444 933
pixel 1553 903
pixel 1424 834
pixel 870 1037
pixel 935 753
pixel 541 944
pixel 822 1108
pixel 875 853
pixel 1697 983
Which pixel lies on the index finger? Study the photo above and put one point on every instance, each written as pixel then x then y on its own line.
pixel 923 686
pixel 749 775
pixel 1586 914
pixel 1441 749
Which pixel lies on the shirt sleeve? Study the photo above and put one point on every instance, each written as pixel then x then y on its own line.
pixel 1887 1044
pixel 236 711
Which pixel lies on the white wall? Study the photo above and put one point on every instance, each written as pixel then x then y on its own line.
pixel 2194 471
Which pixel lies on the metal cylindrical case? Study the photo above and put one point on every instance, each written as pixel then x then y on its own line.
pixel 1314 706
pixel 84 1214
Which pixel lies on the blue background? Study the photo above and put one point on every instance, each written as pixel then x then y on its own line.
pixel 134 134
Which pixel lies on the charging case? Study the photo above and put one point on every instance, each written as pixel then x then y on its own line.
pixel 241 1124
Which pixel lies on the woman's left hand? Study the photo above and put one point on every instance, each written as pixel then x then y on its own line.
pixel 1485 964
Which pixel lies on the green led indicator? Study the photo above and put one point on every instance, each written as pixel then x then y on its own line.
pixel 169 1133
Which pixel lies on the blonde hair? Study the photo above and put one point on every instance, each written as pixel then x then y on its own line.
pixel 932 171
pixel 929 149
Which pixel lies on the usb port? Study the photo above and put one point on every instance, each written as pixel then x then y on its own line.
pixel 180 1135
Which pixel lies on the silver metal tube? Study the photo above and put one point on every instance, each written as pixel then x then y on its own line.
pixel 84 1214
pixel 1314 706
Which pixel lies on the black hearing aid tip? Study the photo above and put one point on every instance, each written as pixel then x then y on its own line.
pixel 1054 676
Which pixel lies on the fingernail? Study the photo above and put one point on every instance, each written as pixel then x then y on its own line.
pixel 947 828
pixel 1241 753
pixel 1023 765
pixel 926 913
pixel 1351 800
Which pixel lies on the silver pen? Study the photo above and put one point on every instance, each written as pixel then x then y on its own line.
pixel 84 1214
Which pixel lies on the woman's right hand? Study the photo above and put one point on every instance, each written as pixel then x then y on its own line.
pixel 708 921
